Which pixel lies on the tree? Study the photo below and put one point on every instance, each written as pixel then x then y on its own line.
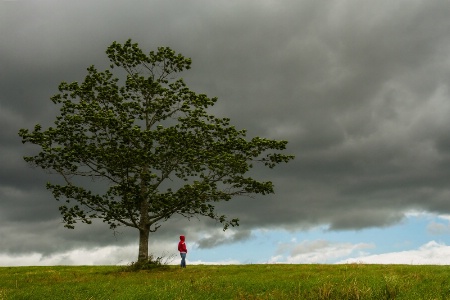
pixel 153 141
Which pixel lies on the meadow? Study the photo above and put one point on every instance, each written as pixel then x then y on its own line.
pixel 348 281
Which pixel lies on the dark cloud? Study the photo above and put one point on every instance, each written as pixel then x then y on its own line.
pixel 360 89
pixel 49 236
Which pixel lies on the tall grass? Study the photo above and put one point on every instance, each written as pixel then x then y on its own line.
pixel 353 281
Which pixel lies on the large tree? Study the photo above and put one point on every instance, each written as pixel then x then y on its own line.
pixel 153 141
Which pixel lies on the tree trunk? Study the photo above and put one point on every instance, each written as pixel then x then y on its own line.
pixel 144 227
pixel 143 244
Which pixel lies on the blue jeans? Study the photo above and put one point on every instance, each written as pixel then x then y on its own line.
pixel 183 260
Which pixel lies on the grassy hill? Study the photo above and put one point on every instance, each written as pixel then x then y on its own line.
pixel 352 281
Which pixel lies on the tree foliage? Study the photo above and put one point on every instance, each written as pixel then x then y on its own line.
pixel 144 131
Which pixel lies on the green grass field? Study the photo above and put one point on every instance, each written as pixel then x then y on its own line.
pixel 352 281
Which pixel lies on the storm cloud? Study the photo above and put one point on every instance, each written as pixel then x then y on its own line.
pixel 360 89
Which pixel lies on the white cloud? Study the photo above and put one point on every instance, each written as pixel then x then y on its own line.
pixel 425 215
pixel 318 251
pixel 415 213
pixel 224 262
pixel 431 253
pixel 445 217
pixel 109 255
pixel 438 225
pixel 438 228
pixel 217 237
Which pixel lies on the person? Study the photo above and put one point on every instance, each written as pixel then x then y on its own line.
pixel 183 251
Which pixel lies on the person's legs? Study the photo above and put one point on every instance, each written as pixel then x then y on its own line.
pixel 183 260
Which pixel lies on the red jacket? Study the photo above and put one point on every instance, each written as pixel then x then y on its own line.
pixel 182 245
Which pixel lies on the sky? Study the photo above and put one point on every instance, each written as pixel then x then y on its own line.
pixel 359 88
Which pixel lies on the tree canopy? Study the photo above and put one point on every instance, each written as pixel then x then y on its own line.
pixel 141 129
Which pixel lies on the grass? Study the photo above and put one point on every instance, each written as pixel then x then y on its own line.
pixel 352 281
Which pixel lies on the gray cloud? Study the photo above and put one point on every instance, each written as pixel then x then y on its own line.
pixel 217 240
pixel 359 88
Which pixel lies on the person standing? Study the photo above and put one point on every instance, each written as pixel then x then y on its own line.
pixel 183 251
